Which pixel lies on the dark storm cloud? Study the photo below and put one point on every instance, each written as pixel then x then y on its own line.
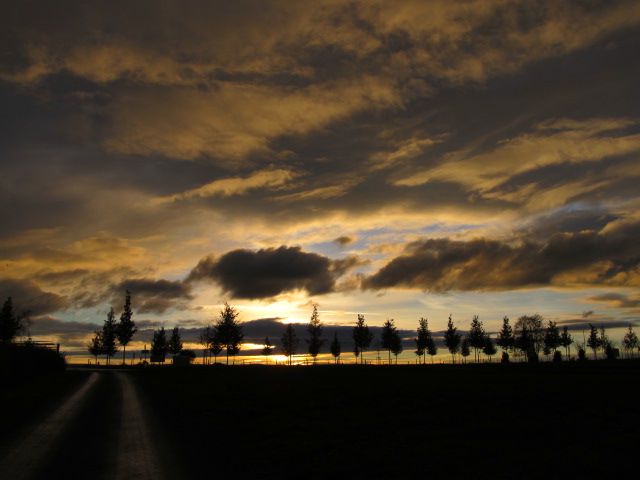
pixel 28 296
pixel 152 295
pixel 269 272
pixel 586 258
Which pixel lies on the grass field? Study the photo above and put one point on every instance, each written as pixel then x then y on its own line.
pixel 483 421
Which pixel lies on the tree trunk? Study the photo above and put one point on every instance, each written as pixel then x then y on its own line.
pixel 124 352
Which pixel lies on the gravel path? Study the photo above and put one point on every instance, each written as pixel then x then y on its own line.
pixel 137 458
pixel 22 460
pixel 99 432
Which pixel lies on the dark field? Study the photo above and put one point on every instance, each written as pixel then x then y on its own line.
pixel 570 420
pixel 483 421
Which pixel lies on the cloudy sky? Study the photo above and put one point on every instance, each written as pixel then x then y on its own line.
pixel 396 159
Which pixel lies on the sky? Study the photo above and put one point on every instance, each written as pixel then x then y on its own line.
pixel 399 160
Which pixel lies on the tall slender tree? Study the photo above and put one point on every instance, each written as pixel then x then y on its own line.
pixel 452 339
pixel 605 343
pixel 109 336
pixel 432 348
pixel 566 340
pixel 362 337
pixel 476 336
pixel 174 346
pixel 489 348
pixel 593 341
pixel 465 349
pixel 423 339
pixel 267 349
pixel 289 342
pixel 505 337
pixel 335 348
pixel 388 336
pixel 396 346
pixel 229 331
pixel 10 323
pixel 159 344
pixel 630 341
pixel 95 347
pixel 127 327
pixel 552 337
pixel 314 342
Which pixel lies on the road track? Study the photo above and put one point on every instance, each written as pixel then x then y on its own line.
pixel 49 449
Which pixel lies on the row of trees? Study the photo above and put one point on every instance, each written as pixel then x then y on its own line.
pixel 528 338
pixel 104 341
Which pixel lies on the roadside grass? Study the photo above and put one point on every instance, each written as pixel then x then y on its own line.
pixel 28 402
pixel 503 421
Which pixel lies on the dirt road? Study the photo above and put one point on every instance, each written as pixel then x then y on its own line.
pixel 100 431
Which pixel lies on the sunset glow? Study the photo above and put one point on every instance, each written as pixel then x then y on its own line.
pixel 399 160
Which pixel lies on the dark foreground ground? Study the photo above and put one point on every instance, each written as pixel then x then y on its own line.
pixel 483 421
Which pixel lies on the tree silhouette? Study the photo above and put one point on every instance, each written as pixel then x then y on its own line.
pixel 432 348
pixel 314 329
pixel 524 342
pixel 552 338
pixel 630 341
pixel 489 349
pixel 505 337
pixel 127 327
pixel 208 337
pixel 362 338
pixel 566 341
pixel 96 348
pixel 388 336
pixel 174 346
pixel 593 341
pixel 535 332
pixel 267 349
pixel 10 324
pixel 396 345
pixel 228 330
pixel 452 339
pixel 605 344
pixel 159 345
pixel 476 336
pixel 289 342
pixel 465 350
pixel 109 337
pixel 335 348
pixel 424 335
pixel 356 352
